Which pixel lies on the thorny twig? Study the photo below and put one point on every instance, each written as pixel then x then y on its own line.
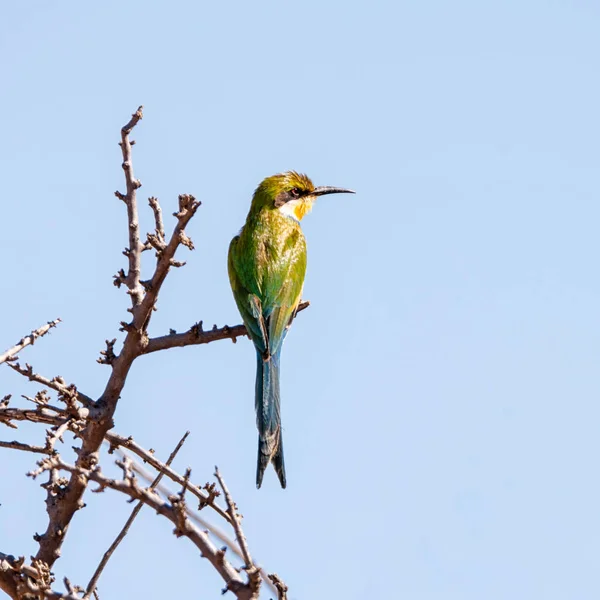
pixel 41 414
pixel 22 581
pixel 116 441
pixel 56 417
pixel 14 445
pixel 91 587
pixel 236 520
pixel 215 531
pixel 134 252
pixel 174 510
pixel 281 588
pixel 157 239
pixel 192 514
pixel 58 384
pixel 203 497
pixel 254 578
pixel 11 353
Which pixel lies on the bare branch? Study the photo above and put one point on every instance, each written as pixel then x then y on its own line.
pixel 39 415
pixel 192 514
pixel 46 415
pixel 143 303
pixel 8 575
pixel 57 435
pixel 108 356
pixel 25 447
pixel 205 499
pixel 196 335
pixel 22 581
pixel 11 353
pixel 89 421
pixel 91 587
pixel 160 229
pixel 254 578
pixel 188 206
pixel 173 510
pixel 132 280
pixel 157 239
pixel 236 520
pixel 66 392
pixel 282 589
pixel 214 530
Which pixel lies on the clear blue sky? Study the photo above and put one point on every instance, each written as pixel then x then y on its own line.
pixel 440 396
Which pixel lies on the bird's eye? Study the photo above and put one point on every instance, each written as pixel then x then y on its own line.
pixel 295 192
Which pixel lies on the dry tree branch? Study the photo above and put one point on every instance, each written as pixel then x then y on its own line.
pixel 43 415
pixel 204 498
pixel 14 445
pixel 236 520
pixel 27 582
pixel 91 587
pixel 143 299
pixel 57 435
pixel 215 531
pixel 174 510
pixel 8 583
pixel 254 578
pixel 57 417
pixel 39 415
pixel 134 252
pixel 91 420
pixel 57 384
pixel 11 353
pixel 23 581
pixel 192 514
pixel 157 239
pixel 188 206
pixel 196 335
pixel 281 588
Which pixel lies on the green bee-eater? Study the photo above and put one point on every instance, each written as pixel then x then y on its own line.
pixel 267 264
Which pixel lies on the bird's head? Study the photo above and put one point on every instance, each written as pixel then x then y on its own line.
pixel 290 193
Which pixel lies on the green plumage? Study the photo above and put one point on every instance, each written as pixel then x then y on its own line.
pixel 267 264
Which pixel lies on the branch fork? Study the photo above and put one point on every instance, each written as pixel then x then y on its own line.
pixel 90 422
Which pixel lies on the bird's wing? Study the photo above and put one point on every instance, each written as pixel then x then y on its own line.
pixel 268 309
pixel 287 296
pixel 248 304
pixel 278 325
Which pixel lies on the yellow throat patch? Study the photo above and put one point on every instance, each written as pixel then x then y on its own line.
pixel 297 209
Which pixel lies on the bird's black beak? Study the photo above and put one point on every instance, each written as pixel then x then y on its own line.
pixel 325 189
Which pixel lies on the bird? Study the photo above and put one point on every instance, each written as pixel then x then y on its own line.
pixel 266 266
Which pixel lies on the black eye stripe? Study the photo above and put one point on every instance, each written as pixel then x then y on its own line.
pixel 288 196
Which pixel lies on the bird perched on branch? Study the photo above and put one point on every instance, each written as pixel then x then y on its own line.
pixel 267 264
